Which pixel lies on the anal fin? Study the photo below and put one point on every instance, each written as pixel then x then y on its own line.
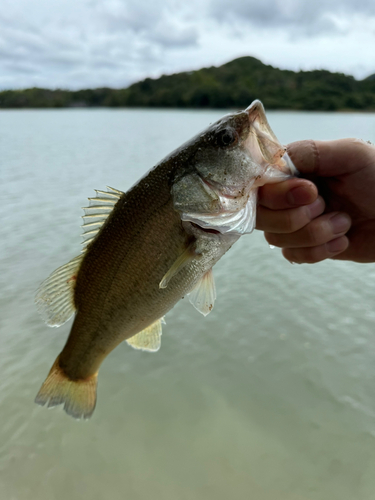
pixel 203 295
pixel 148 339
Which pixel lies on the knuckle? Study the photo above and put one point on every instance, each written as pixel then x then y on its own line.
pixel 292 220
pixel 317 232
pixel 287 223
pixel 314 254
pixel 309 255
pixel 297 219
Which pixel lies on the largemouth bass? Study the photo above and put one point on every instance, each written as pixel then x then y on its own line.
pixel 149 247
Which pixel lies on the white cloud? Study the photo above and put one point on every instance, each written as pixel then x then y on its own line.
pixel 91 43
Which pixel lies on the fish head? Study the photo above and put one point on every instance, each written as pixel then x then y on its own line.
pixel 227 163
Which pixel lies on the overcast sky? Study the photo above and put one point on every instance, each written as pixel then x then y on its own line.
pixel 92 43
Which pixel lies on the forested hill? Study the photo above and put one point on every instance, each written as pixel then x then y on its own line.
pixel 232 85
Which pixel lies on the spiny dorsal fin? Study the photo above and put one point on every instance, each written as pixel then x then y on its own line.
pixel 97 212
pixel 55 296
pixel 203 295
pixel 148 339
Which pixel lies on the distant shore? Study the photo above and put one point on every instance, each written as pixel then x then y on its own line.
pixel 155 108
pixel 231 86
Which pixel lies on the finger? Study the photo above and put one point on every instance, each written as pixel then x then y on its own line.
pixel 319 231
pixel 304 155
pixel 290 220
pixel 287 194
pixel 330 158
pixel 311 255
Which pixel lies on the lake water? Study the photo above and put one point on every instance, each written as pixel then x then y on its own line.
pixel 270 397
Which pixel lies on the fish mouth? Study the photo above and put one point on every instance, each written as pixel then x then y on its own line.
pixel 264 147
pixel 254 110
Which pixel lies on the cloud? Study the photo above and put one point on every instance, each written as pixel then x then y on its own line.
pixel 123 36
pixel 298 17
pixel 163 23
pixel 91 43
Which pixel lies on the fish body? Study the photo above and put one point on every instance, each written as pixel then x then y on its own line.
pixel 158 243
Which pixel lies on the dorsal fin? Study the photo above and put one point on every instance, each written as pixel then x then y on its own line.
pixel 55 296
pixel 97 212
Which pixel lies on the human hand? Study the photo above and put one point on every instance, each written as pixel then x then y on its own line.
pixel 339 223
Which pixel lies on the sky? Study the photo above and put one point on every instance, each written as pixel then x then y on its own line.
pixel 77 44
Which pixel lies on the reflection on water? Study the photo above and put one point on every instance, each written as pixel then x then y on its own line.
pixel 269 397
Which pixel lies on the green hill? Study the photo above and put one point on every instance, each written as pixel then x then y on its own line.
pixel 232 85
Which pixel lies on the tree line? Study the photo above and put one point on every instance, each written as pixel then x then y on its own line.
pixel 232 85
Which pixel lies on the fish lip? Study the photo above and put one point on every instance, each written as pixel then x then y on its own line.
pixel 253 110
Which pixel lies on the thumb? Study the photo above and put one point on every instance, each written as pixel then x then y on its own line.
pixel 328 158
pixel 304 155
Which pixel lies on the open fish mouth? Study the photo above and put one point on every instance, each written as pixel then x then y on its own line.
pixel 265 148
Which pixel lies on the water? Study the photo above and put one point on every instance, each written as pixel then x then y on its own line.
pixel 269 397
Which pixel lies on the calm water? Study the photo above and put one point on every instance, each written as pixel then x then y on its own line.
pixel 271 397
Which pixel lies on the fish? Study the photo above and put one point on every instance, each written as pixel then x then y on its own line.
pixel 147 248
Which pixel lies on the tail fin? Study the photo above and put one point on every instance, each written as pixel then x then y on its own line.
pixel 78 396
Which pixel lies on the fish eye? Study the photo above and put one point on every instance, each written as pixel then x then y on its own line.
pixel 226 137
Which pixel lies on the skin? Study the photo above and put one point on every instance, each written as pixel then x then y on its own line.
pixel 329 213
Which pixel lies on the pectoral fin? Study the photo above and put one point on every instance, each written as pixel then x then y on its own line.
pixel 185 258
pixel 203 296
pixel 148 339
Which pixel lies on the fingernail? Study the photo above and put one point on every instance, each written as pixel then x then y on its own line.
pixel 299 195
pixel 340 223
pixel 316 208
